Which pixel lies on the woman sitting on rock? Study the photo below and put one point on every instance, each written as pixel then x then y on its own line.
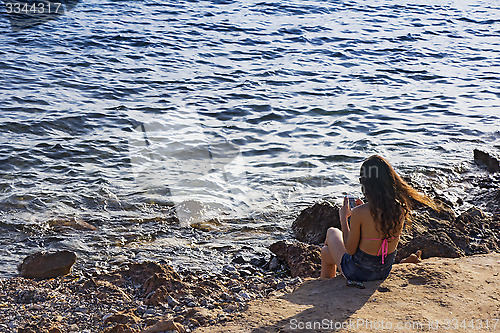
pixel 365 250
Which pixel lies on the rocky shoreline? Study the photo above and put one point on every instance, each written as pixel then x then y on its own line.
pixel 153 297
pixel 146 297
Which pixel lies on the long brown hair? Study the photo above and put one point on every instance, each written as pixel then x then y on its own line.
pixel 389 196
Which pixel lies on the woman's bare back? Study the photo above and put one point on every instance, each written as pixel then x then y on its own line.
pixel 369 230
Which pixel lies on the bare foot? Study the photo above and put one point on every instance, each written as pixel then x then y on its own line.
pixel 414 258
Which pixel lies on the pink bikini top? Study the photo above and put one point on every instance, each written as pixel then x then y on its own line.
pixel 384 248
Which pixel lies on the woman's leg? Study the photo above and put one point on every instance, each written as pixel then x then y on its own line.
pixel 331 253
pixel 328 267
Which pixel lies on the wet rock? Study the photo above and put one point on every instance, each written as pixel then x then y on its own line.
pixel 313 222
pixel 274 264
pixel 74 223
pixel 487 159
pixel 258 262
pixel 486 194
pixel 228 269
pixel 45 265
pixel 304 260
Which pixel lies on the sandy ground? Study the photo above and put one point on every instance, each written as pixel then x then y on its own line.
pixel 437 295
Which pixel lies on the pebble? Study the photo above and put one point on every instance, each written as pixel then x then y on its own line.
pixel 226 297
pixel 244 295
pixel 81 310
pixel 229 269
pixel 150 312
pixel 142 309
pixel 244 273
pixel 274 264
pixel 258 262
pixel 172 301
pixel 281 285
pixel 73 328
pixel 231 307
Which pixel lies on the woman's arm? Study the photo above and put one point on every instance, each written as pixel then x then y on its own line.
pixel 350 234
pixel 351 242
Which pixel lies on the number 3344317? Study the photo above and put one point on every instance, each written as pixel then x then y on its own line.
pixel 33 8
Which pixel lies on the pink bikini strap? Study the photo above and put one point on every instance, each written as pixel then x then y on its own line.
pixel 384 248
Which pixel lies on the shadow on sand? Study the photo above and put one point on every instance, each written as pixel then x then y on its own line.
pixel 328 305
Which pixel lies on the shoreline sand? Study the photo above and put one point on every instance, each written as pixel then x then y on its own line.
pixel 438 294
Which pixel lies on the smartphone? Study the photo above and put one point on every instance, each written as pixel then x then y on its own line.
pixel 352 201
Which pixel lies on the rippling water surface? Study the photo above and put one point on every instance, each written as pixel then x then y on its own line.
pixel 143 118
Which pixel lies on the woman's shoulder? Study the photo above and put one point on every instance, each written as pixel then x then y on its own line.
pixel 361 209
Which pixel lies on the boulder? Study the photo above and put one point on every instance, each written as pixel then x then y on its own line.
pixel 488 159
pixel 303 259
pixel 313 222
pixel 45 265
pixel 444 235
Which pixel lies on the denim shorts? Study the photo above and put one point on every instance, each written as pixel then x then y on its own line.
pixel 364 267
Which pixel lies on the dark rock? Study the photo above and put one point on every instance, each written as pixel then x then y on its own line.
pixel 304 260
pixel 486 194
pixel 228 269
pixel 44 265
pixel 313 222
pixel 244 273
pixel 444 235
pixel 281 285
pixel 488 159
pixel 258 262
pixel 383 289
pixel 274 264
pixel 242 258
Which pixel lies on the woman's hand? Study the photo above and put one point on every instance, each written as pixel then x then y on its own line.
pixel 345 210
